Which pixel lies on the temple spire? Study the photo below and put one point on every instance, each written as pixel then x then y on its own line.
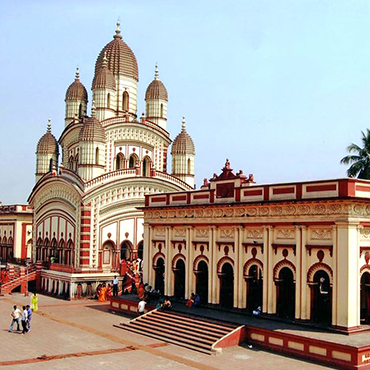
pixel 77 77
pixel 118 31
pixel 156 72
pixel 183 125
pixel 49 126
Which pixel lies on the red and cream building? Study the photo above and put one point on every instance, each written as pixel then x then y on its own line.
pixel 15 232
pixel 298 250
pixel 86 216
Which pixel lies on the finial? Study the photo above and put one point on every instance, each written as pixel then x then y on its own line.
pixel 77 73
pixel 183 126
pixel 105 60
pixel 156 72
pixel 118 31
pixel 93 110
pixel 49 126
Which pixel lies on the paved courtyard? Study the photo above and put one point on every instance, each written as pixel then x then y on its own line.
pixel 80 335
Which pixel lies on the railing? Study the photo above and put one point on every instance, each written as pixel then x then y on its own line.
pixel 109 176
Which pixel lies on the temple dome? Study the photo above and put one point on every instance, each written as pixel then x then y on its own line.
pixel 120 58
pixel 92 130
pixel 156 89
pixel 183 143
pixel 104 78
pixel 47 144
pixel 76 90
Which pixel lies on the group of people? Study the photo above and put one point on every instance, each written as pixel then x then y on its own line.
pixel 193 301
pixel 24 317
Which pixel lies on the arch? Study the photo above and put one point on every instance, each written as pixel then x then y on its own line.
pixel 46 242
pixel 197 260
pixel 365 297
pixel 133 161
pixel 10 241
pixel 280 265
pixel 364 268
pixel 108 100
pixel 316 267
pixel 70 244
pixel 250 263
pixel 120 161
pixel 146 166
pixel 222 261
pixel 177 257
pixel 285 291
pixel 62 243
pixel 97 155
pixel 156 256
pixel 179 272
pixel 107 242
pixel 125 101
pixel 126 249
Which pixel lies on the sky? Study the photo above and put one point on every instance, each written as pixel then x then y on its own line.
pixel 280 88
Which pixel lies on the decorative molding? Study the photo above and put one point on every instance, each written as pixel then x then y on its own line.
pixel 222 261
pixel 226 233
pixel 201 232
pixel 309 247
pixel 249 264
pixel 219 244
pixel 317 267
pixel 285 234
pixel 156 256
pixel 197 260
pixel 321 234
pixel 282 264
pixel 180 232
pixel 178 256
pixel 275 247
pixel 254 233
pixel 246 245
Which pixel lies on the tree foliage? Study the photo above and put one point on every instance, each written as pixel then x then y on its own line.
pixel 360 160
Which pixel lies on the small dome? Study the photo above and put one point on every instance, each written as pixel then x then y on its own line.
pixel 104 78
pixel 48 144
pixel 183 143
pixel 76 90
pixel 92 130
pixel 120 58
pixel 156 89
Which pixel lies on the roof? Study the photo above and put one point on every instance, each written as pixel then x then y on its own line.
pixel 47 144
pixel 156 89
pixel 183 143
pixel 76 90
pixel 92 130
pixel 120 58
pixel 104 78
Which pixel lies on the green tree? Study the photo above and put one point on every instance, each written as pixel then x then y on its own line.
pixel 360 161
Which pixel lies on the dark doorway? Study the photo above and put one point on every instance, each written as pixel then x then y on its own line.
pixel 285 307
pixel 125 251
pixel 254 288
pixel 140 250
pixel 159 275
pixel 321 298
pixel 227 286
pixel 202 281
pixel 179 272
pixel 365 298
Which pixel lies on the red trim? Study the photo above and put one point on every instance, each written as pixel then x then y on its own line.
pixel 85 221
pixel 289 190
pixel 313 188
pixel 84 262
pixel 24 241
pixel 363 188
pixel 85 229
pixel 85 213
pixel 84 253
pixel 251 193
pixel 178 198
pixel 201 196
pixel 266 193
pixel 85 237
pixel 157 200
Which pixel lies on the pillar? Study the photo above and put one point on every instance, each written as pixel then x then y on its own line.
pixel 298 273
pixel 334 292
pixel 265 269
pixel 146 255
pixel 271 305
pixel 305 290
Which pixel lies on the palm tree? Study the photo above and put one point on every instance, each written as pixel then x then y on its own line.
pixel 360 162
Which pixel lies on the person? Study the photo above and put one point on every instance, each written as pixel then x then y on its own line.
pixel 109 291
pixel 29 312
pixel 102 294
pixel 190 301
pixel 141 292
pixel 196 302
pixel 34 302
pixel 257 311
pixel 141 307
pixel 167 305
pixel 115 286
pixel 16 315
pixel 24 320
pixel 160 302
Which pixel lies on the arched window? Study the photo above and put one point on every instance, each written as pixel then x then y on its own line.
pixel 161 111
pixel 80 111
pixel 133 161
pixel 120 161
pixel 125 101
pixel 70 162
pixel 189 166
pixel 108 100
pixel 76 163
pixel 146 166
pixel 51 164
pixel 97 156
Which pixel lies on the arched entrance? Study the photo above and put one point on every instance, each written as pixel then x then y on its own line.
pixel 125 251
pixel 254 288
pixel 179 272
pixel 159 275
pixel 321 298
pixel 365 298
pixel 227 285
pixel 285 306
pixel 202 281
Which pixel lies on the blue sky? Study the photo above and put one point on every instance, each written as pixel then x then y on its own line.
pixel 281 88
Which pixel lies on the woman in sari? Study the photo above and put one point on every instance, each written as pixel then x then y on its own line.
pixel 103 294
pixel 34 302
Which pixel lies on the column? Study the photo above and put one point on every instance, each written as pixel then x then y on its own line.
pixel 304 288
pixel 265 269
pixel 271 304
pixel 146 255
pixel 210 264
pixel 348 289
pixel 213 264
pixel 298 272
pixel 168 262
pixel 188 269
pixel 241 285
pixel 335 279
pixel 236 266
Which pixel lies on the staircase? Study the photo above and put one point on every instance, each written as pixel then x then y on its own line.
pixel 18 279
pixel 186 331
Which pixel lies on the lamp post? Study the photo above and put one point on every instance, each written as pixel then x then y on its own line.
pixel 26 293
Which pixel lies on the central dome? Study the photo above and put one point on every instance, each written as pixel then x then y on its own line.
pixel 120 58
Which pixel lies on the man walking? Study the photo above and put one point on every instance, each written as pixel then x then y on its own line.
pixel 29 312
pixel 115 286
pixel 24 320
pixel 16 315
